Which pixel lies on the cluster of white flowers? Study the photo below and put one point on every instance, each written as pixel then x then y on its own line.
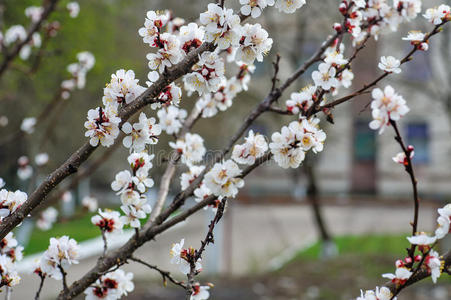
pixel 62 253
pixel 254 147
pixel 170 95
pixel 111 286
pixel 223 179
pixel 122 89
pixel 108 221
pixel 132 189
pixel 222 26
pixel 210 103
pixel 201 192
pixel 102 126
pixel 17 33
pixel 289 145
pixel 181 257
pixel 78 71
pixel 10 254
pixel 171 119
pixel 386 105
pixel 254 43
pixel 207 74
pixel 103 123
pixel 47 218
pixel 10 202
pixel 144 132
pixel 191 147
pixel 300 102
pixel 372 17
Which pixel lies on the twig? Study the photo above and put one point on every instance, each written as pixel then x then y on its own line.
pixel 209 238
pixel 276 72
pixel 64 274
pixel 105 242
pixel 409 169
pixel 165 274
pixel 41 284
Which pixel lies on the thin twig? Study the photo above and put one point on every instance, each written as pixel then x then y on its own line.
pixel 165 274
pixel 41 284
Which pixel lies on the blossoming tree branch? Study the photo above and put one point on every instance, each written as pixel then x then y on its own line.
pixel 192 58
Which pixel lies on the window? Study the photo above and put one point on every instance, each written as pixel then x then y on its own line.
pixel 418 137
pixel 364 142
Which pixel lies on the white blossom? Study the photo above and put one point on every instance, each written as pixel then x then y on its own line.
pixel 191 148
pixel 254 7
pixel 221 26
pixel 144 132
pixel 325 77
pixel 171 119
pixel 28 125
pixel 41 159
pixel 289 6
pixel 390 64
pixel 90 203
pixel 207 74
pixel 102 126
pixel 223 179
pixel 111 286
pixel 62 252
pixel 254 147
pixel 108 221
pixel 47 218
pixel 254 43
pixel 10 202
pixel 289 145
pixel 74 9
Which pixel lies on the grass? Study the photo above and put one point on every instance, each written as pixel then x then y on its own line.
pixel 80 229
pixel 365 245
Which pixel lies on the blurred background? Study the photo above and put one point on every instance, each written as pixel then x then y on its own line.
pixel 322 231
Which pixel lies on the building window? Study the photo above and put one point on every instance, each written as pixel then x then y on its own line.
pixel 364 142
pixel 418 137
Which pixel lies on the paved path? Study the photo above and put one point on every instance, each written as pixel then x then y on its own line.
pixel 251 239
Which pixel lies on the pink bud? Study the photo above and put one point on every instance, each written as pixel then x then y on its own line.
pixel 399 263
pixel 408 260
pixel 343 8
pixel 423 46
pixel 418 258
pixel 337 27
pixel 410 148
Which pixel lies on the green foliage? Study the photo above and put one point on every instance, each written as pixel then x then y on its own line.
pixel 80 230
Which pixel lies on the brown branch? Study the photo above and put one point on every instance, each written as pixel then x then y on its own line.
pixel 35 27
pixel 276 72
